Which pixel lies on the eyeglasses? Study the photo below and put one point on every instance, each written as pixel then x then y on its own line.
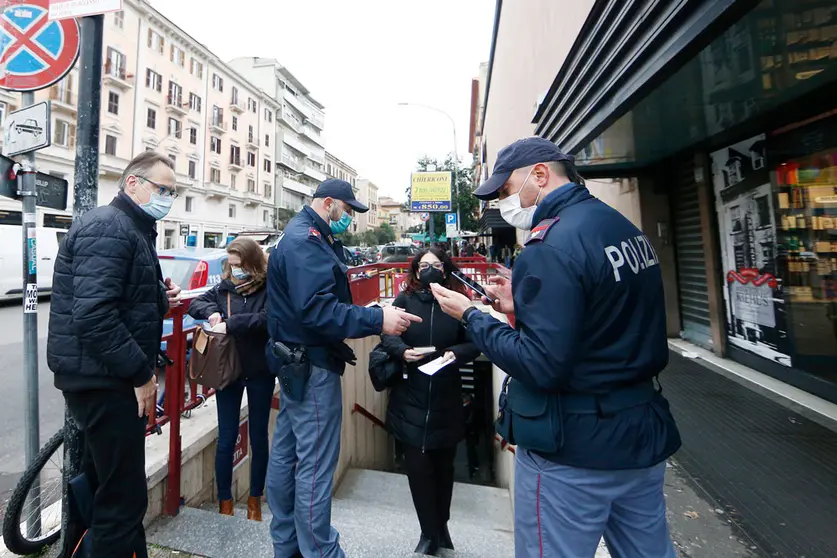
pixel 436 265
pixel 163 190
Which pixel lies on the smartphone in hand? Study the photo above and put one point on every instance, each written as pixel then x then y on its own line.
pixel 471 284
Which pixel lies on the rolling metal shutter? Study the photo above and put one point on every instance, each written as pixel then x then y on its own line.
pixel 691 259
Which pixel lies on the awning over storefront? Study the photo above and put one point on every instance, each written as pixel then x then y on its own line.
pixel 491 220
pixel 624 50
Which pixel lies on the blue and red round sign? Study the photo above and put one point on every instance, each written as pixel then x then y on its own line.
pixel 35 52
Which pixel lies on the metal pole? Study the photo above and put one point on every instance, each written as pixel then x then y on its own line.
pixel 430 227
pixel 26 189
pixel 85 197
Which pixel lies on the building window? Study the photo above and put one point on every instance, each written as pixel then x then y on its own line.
pixel 196 68
pixel 235 123
pixel 194 102
pixel 155 41
pixel 251 159
pixel 64 134
pixel 215 145
pixel 267 140
pixel 190 202
pixel 251 105
pixel 217 82
pixel 217 116
pixel 232 211
pixel 235 155
pixel 178 56
pixel 268 190
pixel 193 170
pixel 265 217
pixel 113 103
pixel 232 181
pixel 119 19
pixel 250 135
pixel 151 119
pixel 193 136
pixel 173 159
pixel 110 145
pixel 251 185
pixel 234 96
pixel 175 128
pixel 268 115
pixel 153 80
pixel 268 166
pixel 2 112
pixel 215 176
pixel 175 94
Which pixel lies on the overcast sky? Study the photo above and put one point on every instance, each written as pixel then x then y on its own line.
pixel 360 58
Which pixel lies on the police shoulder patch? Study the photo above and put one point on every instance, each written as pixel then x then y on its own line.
pixel 539 232
pixel 314 233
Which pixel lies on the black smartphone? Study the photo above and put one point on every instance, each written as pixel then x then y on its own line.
pixel 471 284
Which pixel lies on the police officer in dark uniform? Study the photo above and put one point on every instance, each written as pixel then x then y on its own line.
pixel 310 313
pixel 591 429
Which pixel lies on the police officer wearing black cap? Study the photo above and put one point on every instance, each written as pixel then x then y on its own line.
pixel 310 313
pixel 591 428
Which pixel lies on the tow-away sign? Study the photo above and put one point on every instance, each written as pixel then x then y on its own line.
pixel 65 9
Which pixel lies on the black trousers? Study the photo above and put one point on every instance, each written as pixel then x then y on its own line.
pixel 114 463
pixel 431 485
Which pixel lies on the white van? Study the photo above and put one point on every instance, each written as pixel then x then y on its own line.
pixel 11 259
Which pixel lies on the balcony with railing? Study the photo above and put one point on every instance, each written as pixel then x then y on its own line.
pixel 218 125
pixel 235 163
pixel 298 104
pixel 315 173
pixel 117 76
pixel 174 104
pixel 316 120
pixel 236 106
pixel 313 134
pixel 216 190
pixel 294 142
pixel 63 99
pixel 252 142
pixel 317 157
pixel 296 186
pixel 294 163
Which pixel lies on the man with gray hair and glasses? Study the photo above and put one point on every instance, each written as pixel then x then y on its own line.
pixel 105 327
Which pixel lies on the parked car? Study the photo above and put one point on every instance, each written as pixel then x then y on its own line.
pixel 196 270
pixel 397 253
pixel 352 257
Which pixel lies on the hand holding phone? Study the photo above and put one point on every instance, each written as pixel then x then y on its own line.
pixel 473 285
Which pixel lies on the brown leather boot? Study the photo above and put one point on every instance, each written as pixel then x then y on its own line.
pixel 254 508
pixel 226 507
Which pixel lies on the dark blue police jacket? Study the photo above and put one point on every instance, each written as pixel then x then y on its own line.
pixel 308 298
pixel 590 319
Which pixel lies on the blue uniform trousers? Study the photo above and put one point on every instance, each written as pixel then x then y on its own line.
pixel 300 476
pixel 563 512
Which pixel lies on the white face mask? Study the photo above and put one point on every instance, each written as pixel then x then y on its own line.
pixel 515 215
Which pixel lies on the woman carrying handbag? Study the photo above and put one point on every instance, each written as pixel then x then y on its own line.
pixel 425 413
pixel 236 307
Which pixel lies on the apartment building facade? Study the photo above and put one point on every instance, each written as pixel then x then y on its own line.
pixel 300 147
pixel 367 194
pixel 398 217
pixel 164 91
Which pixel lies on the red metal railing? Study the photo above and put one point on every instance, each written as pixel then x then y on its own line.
pixel 369 416
pixel 175 402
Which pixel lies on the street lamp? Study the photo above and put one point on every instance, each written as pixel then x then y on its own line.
pixel 455 155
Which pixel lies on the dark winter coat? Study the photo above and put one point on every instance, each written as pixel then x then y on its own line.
pixel 108 301
pixel 427 411
pixel 247 322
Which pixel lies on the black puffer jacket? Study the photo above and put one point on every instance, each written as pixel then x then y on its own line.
pixel 427 411
pixel 247 322
pixel 108 301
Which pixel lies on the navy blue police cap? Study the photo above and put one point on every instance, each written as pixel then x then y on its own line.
pixel 522 153
pixel 340 190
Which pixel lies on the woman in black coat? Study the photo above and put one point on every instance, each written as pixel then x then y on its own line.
pixel 236 306
pixel 426 412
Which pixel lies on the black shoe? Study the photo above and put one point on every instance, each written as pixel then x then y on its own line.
pixel 427 546
pixel 444 538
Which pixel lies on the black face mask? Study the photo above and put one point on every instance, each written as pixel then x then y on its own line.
pixel 431 275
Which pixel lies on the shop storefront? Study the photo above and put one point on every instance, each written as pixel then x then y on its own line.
pixel 735 123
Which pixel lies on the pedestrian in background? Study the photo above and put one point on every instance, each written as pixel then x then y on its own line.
pixel 236 306
pixel 425 412
pixel 506 255
pixel 592 431
pixel 109 298
pixel 310 314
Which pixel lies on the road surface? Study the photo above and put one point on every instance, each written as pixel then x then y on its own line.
pixel 13 394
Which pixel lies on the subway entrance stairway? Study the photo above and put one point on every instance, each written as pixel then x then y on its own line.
pixel 373 512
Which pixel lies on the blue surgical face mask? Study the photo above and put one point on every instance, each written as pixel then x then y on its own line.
pixel 239 274
pixel 342 224
pixel 157 206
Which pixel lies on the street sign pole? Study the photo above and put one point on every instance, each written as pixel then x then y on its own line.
pixel 26 189
pixel 85 197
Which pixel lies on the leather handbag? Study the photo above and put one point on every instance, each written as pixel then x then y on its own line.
pixel 214 362
pixel 384 370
